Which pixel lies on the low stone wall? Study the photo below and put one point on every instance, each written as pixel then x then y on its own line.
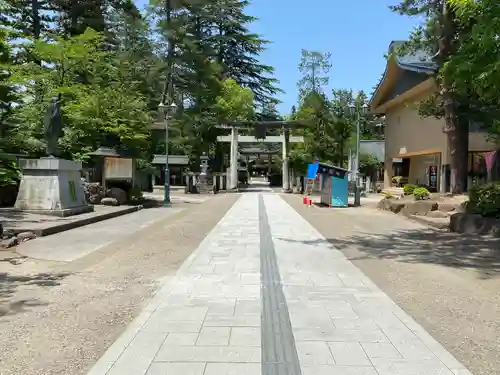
pixel 474 224
pixel 410 207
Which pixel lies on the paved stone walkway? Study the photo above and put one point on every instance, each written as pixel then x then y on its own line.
pixel 76 243
pixel 266 294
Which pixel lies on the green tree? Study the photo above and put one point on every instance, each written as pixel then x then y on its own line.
pixel 27 18
pixel 314 66
pixel 319 134
pixel 440 34
pixel 137 62
pixel 238 50
pixel 102 111
pixel 344 122
pixel 234 103
pixel 75 16
pixel 7 96
pixel 473 67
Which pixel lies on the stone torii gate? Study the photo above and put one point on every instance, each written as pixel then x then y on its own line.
pixel 259 136
pixel 259 152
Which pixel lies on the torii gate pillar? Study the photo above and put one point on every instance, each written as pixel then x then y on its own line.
pixel 233 161
pixel 286 169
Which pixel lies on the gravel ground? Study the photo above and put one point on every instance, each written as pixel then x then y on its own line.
pixel 449 284
pixel 59 318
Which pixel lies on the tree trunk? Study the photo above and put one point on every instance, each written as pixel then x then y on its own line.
pixel 456 131
pixel 167 88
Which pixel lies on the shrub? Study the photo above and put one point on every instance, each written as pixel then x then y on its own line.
pixel 388 194
pixel 408 189
pixel 485 199
pixel 9 173
pixel 420 193
pixel 135 194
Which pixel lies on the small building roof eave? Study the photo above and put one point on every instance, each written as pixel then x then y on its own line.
pixel 424 67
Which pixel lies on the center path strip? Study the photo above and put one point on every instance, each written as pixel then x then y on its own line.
pixel 279 355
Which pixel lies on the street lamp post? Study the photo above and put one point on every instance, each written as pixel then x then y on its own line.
pixel 358 112
pixel 165 113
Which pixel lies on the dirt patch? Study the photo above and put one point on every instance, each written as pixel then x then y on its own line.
pixel 60 318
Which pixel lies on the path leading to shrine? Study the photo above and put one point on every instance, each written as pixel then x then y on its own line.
pixel 212 288
pixel 265 293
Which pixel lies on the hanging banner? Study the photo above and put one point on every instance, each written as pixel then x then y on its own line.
pixel 489 157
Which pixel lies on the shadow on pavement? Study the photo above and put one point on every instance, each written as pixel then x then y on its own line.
pixel 9 284
pixel 426 246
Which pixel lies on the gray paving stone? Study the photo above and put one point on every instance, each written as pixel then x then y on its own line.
pixel 233 369
pixel 343 312
pixel 314 334
pixel 351 280
pixel 357 324
pixel 406 367
pixel 314 353
pixel 319 279
pixel 305 319
pixel 165 368
pixel 380 350
pixel 241 291
pixel 160 325
pixel 246 307
pixel 181 339
pixel 181 314
pixel 349 354
pixel 338 370
pixel 250 278
pixel 356 335
pixel 208 354
pixel 214 336
pixel 139 355
pixel 245 336
pixel 413 349
pixel 232 321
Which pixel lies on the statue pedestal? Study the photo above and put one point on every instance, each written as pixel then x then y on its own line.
pixel 51 186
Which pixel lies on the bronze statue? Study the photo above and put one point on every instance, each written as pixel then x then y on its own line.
pixel 53 126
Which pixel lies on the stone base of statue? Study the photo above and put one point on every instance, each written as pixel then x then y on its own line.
pixel 203 186
pixel 51 186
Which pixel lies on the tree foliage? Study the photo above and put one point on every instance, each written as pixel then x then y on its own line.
pixel 314 67
pixel 474 67
pixel 441 34
pixel 330 129
pixel 103 109
pixel 112 65
pixel 234 103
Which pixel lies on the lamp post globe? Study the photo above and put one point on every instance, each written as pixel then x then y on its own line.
pixel 172 108
pixel 161 108
pixel 364 109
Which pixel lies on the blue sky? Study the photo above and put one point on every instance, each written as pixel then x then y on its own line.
pixel 356 32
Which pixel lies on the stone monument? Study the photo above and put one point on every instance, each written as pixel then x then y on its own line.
pixel 50 185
